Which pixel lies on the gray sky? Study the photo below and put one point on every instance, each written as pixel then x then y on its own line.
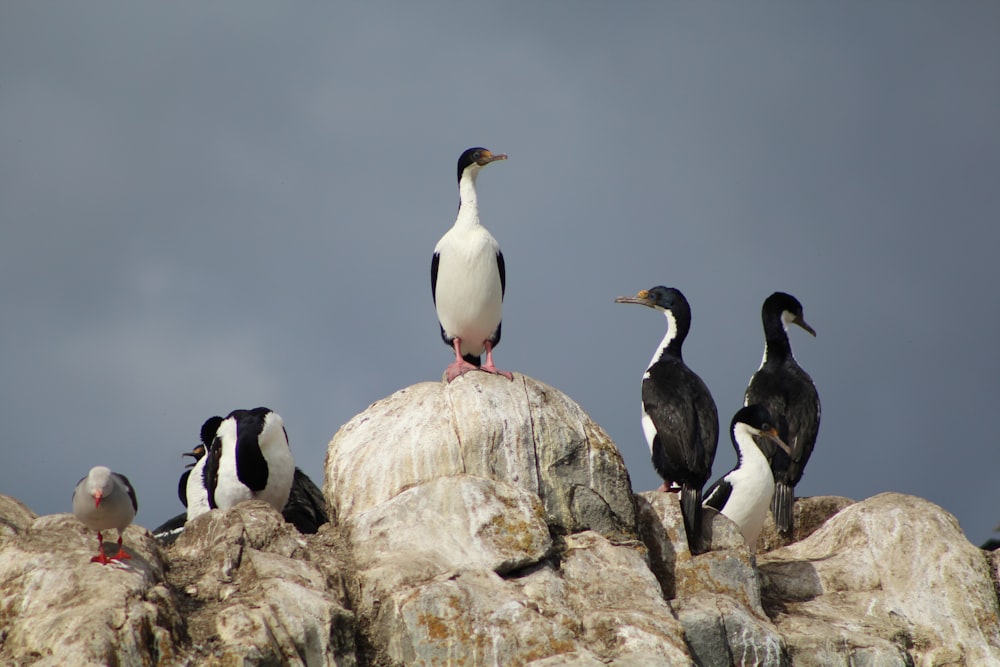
pixel 214 206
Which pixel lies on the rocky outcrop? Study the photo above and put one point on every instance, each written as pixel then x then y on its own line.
pixel 490 522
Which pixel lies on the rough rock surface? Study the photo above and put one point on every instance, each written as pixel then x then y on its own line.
pixel 891 578
pixel 490 522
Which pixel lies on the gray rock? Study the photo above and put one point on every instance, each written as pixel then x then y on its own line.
pixel 890 576
pixel 523 432
pixel 58 608
pixel 256 593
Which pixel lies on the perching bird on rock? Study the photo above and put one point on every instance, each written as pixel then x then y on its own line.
pixel 679 417
pixel 744 493
pixel 790 396
pixel 468 278
pixel 104 500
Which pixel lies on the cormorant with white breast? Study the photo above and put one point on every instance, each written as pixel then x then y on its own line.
pixel 305 507
pixel 468 278
pixel 790 396
pixel 249 458
pixel 679 418
pixel 744 493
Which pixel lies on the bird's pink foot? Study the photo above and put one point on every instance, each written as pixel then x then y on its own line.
pixel 490 367
pixel 497 371
pixel 121 555
pixel 458 369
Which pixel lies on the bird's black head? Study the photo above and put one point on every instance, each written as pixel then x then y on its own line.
pixel 208 431
pixel 761 426
pixel 661 298
pixel 477 156
pixel 780 303
pixel 755 416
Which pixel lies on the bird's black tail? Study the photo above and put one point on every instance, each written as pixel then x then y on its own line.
pixel 691 510
pixel 781 506
pixel 472 359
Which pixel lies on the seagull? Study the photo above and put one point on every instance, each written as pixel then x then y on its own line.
pixel 104 500
pixel 468 278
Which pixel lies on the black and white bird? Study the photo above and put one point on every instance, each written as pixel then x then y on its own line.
pixel 744 493
pixel 249 458
pixel 195 497
pixel 305 507
pixel 468 278
pixel 104 500
pixel 790 396
pixel 679 417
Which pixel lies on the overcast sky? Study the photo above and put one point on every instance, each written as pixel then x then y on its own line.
pixel 210 206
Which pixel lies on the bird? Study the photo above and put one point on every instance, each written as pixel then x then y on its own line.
pixel 305 507
pixel 790 396
pixel 195 497
pixel 679 417
pixel 744 493
pixel 468 277
pixel 249 458
pixel 104 500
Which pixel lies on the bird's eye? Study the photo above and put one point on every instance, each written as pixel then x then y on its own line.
pixel 765 427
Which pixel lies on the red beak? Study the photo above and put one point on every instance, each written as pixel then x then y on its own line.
pixel 97 498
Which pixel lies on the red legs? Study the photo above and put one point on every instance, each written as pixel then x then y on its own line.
pixel 103 558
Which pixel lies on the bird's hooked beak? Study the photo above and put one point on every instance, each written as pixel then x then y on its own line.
pixel 485 157
pixel 772 435
pixel 802 323
pixel 642 298
pixel 196 454
pixel 98 494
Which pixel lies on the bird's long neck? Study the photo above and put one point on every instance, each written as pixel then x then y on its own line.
pixel 673 340
pixel 777 349
pixel 468 203
pixel 748 454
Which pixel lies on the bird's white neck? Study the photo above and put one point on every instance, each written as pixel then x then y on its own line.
pixel 468 206
pixel 667 338
pixel 751 458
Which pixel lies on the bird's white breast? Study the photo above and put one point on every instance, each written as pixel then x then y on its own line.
pixel 197 495
pixel 468 294
pixel 753 486
pixel 229 490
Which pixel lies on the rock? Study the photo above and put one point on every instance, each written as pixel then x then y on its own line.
pixel 490 522
pixel 716 594
pixel 808 513
pixel 255 594
pixel 892 579
pixel 524 433
pixel 15 517
pixel 58 608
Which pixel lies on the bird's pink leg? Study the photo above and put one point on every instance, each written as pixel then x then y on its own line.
pixel 100 557
pixel 490 367
pixel 460 366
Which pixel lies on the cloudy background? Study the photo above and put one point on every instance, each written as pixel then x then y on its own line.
pixel 209 206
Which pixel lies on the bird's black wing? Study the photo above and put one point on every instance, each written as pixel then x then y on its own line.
pixel 718 494
pixel 182 487
pixel 708 424
pixel 210 474
pixel 131 491
pixel 503 274
pixel 306 507
pixel 687 423
pixel 435 260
